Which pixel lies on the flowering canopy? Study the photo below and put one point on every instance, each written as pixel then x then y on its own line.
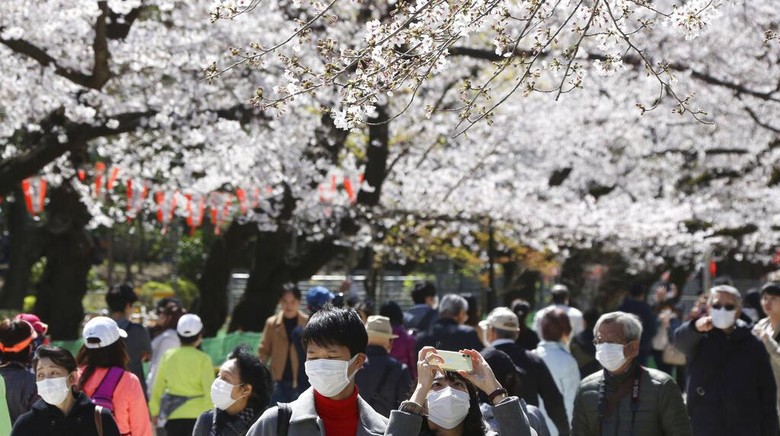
pixel 647 126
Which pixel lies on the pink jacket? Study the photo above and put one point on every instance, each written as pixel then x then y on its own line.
pixel 404 349
pixel 130 410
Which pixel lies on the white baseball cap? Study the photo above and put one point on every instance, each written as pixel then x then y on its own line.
pixel 101 331
pixel 189 325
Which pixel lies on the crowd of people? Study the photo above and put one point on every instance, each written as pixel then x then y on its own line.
pixel 339 368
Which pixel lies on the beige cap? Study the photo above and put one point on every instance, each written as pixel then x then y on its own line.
pixel 501 318
pixel 379 326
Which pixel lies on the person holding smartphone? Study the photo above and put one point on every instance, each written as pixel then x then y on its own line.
pixel 445 400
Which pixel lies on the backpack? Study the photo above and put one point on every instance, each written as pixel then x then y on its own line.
pixel 104 394
pixel 284 412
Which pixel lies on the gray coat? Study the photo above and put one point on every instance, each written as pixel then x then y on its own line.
pixel 305 422
pixel 508 414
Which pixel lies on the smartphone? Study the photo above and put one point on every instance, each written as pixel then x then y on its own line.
pixel 455 361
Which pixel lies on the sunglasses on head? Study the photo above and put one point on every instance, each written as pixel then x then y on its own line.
pixel 729 307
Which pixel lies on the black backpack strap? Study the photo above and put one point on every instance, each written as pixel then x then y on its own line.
pixel 283 419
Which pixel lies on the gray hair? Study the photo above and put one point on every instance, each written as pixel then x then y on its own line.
pixel 451 305
pixel 726 289
pixel 632 326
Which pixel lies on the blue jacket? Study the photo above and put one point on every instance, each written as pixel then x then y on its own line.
pixel 731 388
pixel 447 334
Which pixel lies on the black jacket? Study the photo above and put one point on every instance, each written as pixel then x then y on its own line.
pixel 383 381
pixel 447 334
pixel 731 388
pixel 232 427
pixel 537 381
pixel 44 419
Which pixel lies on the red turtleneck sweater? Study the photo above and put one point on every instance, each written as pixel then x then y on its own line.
pixel 339 416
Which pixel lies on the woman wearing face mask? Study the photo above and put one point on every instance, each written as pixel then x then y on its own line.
pixel 16 344
pixel 62 410
pixel 240 395
pixel 447 404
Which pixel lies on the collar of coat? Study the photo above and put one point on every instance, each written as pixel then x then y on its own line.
pixel 303 409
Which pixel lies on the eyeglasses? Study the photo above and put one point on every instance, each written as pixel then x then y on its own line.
pixel 728 307
pixel 598 342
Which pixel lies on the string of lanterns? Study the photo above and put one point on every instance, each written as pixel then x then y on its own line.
pixel 220 203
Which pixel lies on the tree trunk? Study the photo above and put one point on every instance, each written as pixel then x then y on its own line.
pixel 24 251
pixel 69 251
pixel 274 266
pixel 223 256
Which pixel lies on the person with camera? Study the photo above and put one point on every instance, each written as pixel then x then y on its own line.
pixel 446 402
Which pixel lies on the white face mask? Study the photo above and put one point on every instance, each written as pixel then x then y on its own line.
pixel 610 356
pixel 448 407
pixel 722 318
pixel 329 376
pixel 53 391
pixel 221 394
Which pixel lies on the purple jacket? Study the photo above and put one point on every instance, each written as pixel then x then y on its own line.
pixel 403 349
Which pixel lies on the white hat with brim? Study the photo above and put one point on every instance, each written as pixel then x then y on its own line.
pixel 501 318
pixel 379 327
pixel 101 331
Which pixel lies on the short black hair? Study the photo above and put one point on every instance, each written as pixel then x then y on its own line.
pixel 119 296
pixel 422 291
pixel 521 308
pixel 336 326
pixel 189 340
pixel 559 293
pixel 59 356
pixel 291 288
pixel 392 310
pixel 253 372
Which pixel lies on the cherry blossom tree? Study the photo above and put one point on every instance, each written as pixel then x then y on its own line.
pixel 644 127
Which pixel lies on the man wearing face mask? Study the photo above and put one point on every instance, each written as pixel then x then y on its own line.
pixel 731 389
pixel 335 341
pixel 449 331
pixel 626 398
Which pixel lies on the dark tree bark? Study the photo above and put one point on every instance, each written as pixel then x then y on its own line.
pixel 69 251
pixel 24 250
pixel 222 258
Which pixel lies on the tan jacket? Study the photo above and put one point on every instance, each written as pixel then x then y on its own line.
pixel 275 346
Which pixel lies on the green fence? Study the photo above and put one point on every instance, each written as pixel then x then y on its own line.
pixel 217 347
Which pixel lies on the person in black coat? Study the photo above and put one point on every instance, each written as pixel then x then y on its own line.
pixel 635 303
pixel 448 332
pixel 731 387
pixel 526 337
pixel 384 382
pixel 502 328
pixel 62 411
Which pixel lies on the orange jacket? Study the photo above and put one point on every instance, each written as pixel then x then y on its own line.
pixel 130 410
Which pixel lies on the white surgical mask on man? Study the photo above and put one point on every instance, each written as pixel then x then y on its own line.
pixel 329 376
pixel 723 318
pixel 610 356
pixel 447 407
pixel 53 391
